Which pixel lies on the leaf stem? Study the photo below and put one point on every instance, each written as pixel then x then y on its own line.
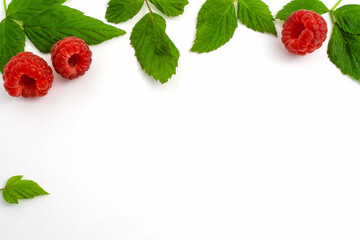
pixel 5 8
pixel 148 6
pixel 1 189
pixel 337 4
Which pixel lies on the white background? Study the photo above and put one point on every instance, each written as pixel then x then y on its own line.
pixel 248 142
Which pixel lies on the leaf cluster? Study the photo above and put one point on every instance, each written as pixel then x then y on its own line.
pixel 344 45
pixel 45 22
pixel 156 53
pixel 218 19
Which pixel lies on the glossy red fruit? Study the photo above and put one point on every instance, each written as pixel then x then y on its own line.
pixel 27 75
pixel 304 32
pixel 71 57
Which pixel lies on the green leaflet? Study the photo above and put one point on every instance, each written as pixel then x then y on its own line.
pixel 52 24
pixel 156 53
pixel 313 5
pixel 348 18
pixel 122 10
pixel 16 189
pixel 344 52
pixel 22 9
pixel 12 41
pixel 216 24
pixel 256 15
pixel 170 8
pixel 154 50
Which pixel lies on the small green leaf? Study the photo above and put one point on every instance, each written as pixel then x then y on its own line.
pixel 22 9
pixel 313 5
pixel 16 189
pixel 216 24
pixel 156 53
pixel 57 22
pixel 170 8
pixel 348 18
pixel 12 41
pixel 344 52
pixel 122 10
pixel 255 14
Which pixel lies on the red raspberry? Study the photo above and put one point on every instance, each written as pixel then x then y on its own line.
pixel 71 57
pixel 27 75
pixel 304 32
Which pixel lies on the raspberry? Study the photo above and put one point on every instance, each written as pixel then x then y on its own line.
pixel 304 32
pixel 27 75
pixel 71 57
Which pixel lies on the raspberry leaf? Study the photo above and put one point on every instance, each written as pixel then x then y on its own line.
pixel 57 22
pixel 255 14
pixel 216 24
pixel 156 53
pixel 17 189
pixel 12 41
pixel 122 10
pixel 348 18
pixel 313 5
pixel 22 9
pixel 344 51
pixel 170 8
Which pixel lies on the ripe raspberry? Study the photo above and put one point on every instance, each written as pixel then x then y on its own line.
pixel 27 75
pixel 304 32
pixel 71 57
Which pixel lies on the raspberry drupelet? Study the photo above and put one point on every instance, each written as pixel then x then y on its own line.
pixel 27 75
pixel 304 32
pixel 71 57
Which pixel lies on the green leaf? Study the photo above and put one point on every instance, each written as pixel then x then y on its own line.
pixel 57 22
pixel 122 10
pixel 12 41
pixel 156 53
pixel 313 5
pixel 348 18
pixel 22 9
pixel 255 14
pixel 16 189
pixel 344 52
pixel 170 8
pixel 216 24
